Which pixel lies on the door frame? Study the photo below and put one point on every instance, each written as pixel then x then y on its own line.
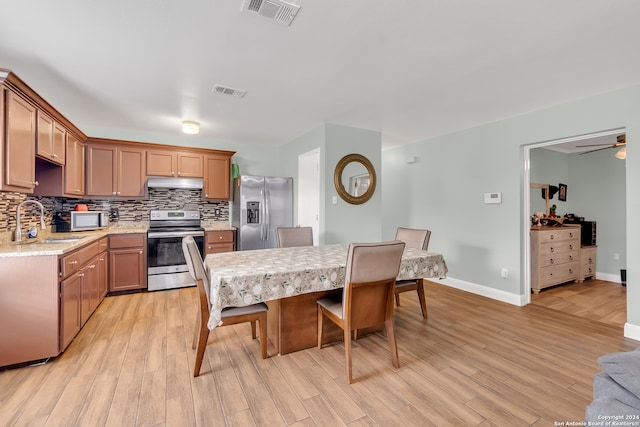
pixel 526 202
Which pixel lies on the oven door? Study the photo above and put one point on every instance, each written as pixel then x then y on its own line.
pixel 167 268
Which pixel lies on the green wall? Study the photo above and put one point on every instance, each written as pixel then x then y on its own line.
pixel 443 190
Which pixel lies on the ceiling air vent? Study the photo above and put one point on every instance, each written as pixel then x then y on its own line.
pixel 276 10
pixel 223 90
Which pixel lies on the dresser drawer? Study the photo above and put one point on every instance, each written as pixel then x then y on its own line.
pixel 559 273
pixel 556 259
pixel 214 237
pixel 552 249
pixel 561 234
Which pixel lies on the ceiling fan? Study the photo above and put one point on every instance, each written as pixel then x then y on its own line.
pixel 621 142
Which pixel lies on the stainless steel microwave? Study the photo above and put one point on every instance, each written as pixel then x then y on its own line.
pixel 81 220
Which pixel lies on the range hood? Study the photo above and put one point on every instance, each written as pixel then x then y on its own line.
pixel 183 183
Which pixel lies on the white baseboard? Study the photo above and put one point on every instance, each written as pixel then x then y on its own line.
pixel 615 278
pixel 632 331
pixel 484 291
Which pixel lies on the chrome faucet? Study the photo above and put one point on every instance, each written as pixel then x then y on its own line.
pixel 18 233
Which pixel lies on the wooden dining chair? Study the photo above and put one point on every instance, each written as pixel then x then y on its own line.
pixel 287 237
pixel 367 298
pixel 418 239
pixel 230 316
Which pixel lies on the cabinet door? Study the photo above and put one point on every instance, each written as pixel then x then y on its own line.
pixel 20 145
pixel 44 143
pixel 131 172
pixel 103 283
pixel 90 283
pixel 127 269
pixel 70 298
pixel 59 144
pixel 101 170
pixel 217 177
pixel 189 165
pixel 161 163
pixel 74 168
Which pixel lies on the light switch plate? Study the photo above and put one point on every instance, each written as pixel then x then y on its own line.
pixel 493 197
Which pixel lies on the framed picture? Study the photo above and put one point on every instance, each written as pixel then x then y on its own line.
pixel 562 194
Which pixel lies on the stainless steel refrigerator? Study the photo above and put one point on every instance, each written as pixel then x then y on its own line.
pixel 260 204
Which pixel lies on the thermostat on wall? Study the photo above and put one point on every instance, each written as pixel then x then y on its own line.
pixel 493 197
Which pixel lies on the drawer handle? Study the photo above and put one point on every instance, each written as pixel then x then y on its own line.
pixel 590 261
pixel 551 237
pixel 73 262
pixel 570 234
pixel 570 246
pixel 551 249
pixel 551 261
pixel 220 237
pixel 570 271
pixel 571 257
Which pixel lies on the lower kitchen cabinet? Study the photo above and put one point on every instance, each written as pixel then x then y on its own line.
pixel 219 241
pixel 70 308
pixel 127 262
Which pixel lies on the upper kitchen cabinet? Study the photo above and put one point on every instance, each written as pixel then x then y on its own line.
pixel 217 176
pixel 33 141
pixel 18 141
pixel 51 142
pixel 115 170
pixel 177 164
pixel 63 181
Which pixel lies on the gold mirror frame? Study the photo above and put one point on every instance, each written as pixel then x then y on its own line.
pixel 337 179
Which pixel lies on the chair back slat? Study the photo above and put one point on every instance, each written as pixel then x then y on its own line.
pixel 195 265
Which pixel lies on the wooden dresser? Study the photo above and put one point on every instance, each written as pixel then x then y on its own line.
pixel 587 262
pixel 555 256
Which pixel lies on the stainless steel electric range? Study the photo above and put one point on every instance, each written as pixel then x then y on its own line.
pixel 167 268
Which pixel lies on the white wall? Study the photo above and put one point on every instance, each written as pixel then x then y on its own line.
pixel 443 189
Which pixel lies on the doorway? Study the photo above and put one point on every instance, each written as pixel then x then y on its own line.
pixel 309 192
pixel 588 200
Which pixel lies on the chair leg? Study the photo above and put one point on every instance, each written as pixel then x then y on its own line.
pixel 347 353
pixel 253 329
pixel 196 331
pixel 320 316
pixel 202 345
pixel 398 300
pixel 263 335
pixel 391 336
pixel 421 297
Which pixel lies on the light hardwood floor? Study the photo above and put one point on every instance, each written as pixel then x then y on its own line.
pixel 475 361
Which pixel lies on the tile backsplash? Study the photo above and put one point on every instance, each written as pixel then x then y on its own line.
pixel 129 210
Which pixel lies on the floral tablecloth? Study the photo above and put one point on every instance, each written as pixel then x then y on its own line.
pixel 246 277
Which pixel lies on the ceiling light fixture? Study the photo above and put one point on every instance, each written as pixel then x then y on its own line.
pixel 192 128
pixel 621 153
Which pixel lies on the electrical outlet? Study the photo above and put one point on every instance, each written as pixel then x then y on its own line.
pixel 504 273
pixel 217 212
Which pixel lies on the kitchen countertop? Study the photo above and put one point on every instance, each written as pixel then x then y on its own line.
pixel 35 247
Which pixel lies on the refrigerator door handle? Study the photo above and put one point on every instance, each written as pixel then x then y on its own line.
pixel 268 215
pixel 263 214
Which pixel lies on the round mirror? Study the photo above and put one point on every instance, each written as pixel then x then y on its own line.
pixel 355 179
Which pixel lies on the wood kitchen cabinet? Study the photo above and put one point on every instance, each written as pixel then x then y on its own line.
pixel 217 177
pixel 115 171
pixel 555 256
pixel 178 164
pixel 127 262
pixel 103 265
pixel 51 141
pixel 74 168
pixel 219 241
pixel 18 142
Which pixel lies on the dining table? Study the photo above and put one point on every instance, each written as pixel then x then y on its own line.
pixel 290 280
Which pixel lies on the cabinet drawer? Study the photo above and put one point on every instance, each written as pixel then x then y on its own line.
pixel 552 249
pixel 127 241
pixel 559 273
pixel 88 252
pixel 214 237
pixel 557 259
pixel 69 264
pixel 559 235
pixel 103 244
